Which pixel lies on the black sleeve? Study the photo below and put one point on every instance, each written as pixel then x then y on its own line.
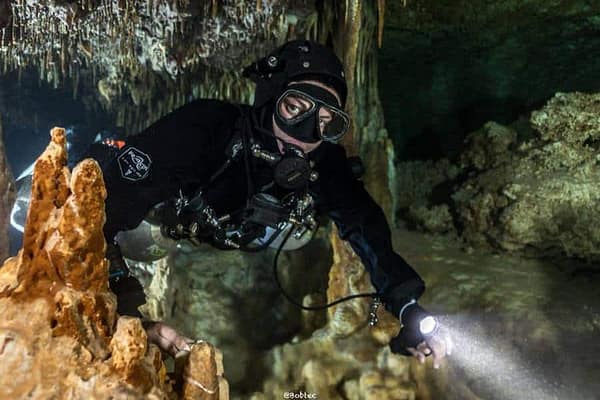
pixel 362 223
pixel 178 152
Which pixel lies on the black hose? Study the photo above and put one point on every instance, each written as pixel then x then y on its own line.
pixel 266 244
pixel 294 302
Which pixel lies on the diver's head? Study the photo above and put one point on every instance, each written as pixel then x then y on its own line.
pixel 305 83
pixel 305 112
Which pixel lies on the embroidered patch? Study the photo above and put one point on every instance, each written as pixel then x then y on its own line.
pixel 134 164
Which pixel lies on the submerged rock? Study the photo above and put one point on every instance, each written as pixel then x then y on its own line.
pixel 539 195
pixel 60 335
pixel 536 194
pixel 345 359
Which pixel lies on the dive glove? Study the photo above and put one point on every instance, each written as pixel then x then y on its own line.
pixel 417 326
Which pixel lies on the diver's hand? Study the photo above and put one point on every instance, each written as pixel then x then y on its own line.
pixel 409 342
pixel 438 345
pixel 167 338
pixel 421 335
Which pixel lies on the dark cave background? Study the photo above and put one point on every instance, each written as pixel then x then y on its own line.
pixel 446 70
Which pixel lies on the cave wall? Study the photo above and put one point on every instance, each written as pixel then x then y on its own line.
pixel 447 67
pixel 7 196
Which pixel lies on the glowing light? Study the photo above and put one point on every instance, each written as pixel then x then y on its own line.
pixel 501 371
pixel 28 171
pixel 427 325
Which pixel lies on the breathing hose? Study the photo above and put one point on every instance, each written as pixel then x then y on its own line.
pixel 297 304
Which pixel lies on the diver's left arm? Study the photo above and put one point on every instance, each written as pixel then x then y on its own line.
pixel 363 224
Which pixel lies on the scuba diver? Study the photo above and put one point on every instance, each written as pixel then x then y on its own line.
pixel 250 177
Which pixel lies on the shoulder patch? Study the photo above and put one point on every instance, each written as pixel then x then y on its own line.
pixel 134 164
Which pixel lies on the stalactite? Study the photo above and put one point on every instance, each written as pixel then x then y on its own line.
pixel 91 40
pixel 381 21
pixel 214 10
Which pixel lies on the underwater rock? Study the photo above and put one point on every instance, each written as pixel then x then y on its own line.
pixel 435 219
pixel 230 299
pixel 60 334
pixel 541 194
pixel 346 277
pixel 132 358
pixel 329 361
pixel 203 374
pixel 7 197
pixel 531 193
pixel 416 191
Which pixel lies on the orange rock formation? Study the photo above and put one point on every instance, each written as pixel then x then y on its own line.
pixel 60 336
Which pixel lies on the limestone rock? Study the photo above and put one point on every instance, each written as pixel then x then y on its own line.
pixel 541 196
pixel 418 187
pixel 530 194
pixel 229 298
pixel 435 219
pixel 203 375
pixel 328 362
pixel 131 357
pixel 346 277
pixel 489 147
pixel 60 336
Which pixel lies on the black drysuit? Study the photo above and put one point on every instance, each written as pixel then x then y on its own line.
pixel 181 152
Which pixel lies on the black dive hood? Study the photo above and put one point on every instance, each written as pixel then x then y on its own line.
pixel 294 61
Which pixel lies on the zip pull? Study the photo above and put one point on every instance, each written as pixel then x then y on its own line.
pixel 373 320
pixel 181 202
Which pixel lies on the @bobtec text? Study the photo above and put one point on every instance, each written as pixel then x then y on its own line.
pixel 299 395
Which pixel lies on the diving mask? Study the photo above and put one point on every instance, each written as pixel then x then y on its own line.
pixel 298 113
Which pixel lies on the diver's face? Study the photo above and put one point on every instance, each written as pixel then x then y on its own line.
pixel 293 106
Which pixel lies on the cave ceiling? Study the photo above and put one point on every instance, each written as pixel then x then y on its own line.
pixel 151 55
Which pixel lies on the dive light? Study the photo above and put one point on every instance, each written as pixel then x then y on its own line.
pixel 413 315
pixel 428 326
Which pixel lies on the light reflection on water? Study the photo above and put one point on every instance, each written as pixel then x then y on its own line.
pixel 494 368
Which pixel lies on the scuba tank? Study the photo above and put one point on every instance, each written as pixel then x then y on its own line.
pixel 265 224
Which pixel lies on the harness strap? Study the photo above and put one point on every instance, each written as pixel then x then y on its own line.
pixel 241 141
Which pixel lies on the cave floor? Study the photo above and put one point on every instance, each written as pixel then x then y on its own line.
pixel 522 328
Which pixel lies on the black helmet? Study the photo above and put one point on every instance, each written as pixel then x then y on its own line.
pixel 296 60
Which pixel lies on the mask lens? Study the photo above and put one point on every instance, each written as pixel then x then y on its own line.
pixel 316 111
pixel 293 106
pixel 336 126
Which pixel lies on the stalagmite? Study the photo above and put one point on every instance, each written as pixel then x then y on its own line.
pixel 60 335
